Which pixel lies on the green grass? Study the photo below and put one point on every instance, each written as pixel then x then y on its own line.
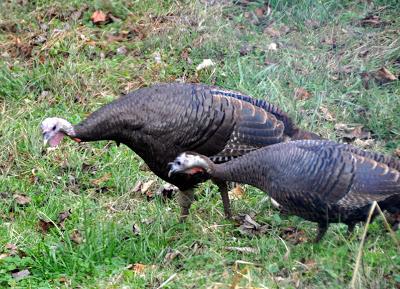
pixel 76 70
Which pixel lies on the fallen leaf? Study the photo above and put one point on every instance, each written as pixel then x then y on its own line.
pixel 146 186
pixel 136 230
pixel 397 152
pixel 301 94
pixel 12 248
pixel 272 32
pixel 206 63
pixel 365 144
pixel 167 191
pixel 171 255
pixel 76 237
pixel 310 263
pixel 237 192
pixel 18 275
pixel 99 17
pixel 293 235
pixel 380 77
pixel 384 73
pixel 259 12
pixel 249 227
pixel 117 37
pixel 44 226
pixel 371 20
pixel 312 23
pixel 22 199
pixel 273 46
pixel 326 114
pixel 139 268
pixel 352 131
pixel 62 217
pixel 102 179
pixel 246 49
pixel 247 250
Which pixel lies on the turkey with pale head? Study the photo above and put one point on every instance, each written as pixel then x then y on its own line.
pixel 162 121
pixel 320 181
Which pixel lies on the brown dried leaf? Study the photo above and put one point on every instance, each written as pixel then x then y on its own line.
pixel 272 32
pixel 139 268
pixel 44 226
pixel 102 179
pixel 76 237
pixel 397 152
pixel 310 263
pixel 237 192
pixel 259 12
pixel 22 199
pixel 137 187
pixel 384 73
pixel 365 144
pixel 146 186
pixel 62 217
pixel 301 94
pixel 18 275
pixel 352 131
pixel 371 20
pixel 4 255
pixel 249 227
pixel 171 255
pixel 326 114
pixel 99 17
pixel 293 235
pixel 12 248
pixel 117 37
pixel 247 250
pixel 310 23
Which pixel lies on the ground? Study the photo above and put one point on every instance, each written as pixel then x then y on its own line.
pixel 88 215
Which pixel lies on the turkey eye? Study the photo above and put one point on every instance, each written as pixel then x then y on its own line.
pixel 54 127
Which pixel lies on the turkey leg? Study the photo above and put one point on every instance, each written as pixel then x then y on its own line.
pixel 185 200
pixel 223 189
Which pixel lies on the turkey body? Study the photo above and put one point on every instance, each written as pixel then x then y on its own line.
pixel 320 181
pixel 161 121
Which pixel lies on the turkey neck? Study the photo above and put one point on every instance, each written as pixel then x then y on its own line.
pixel 252 169
pixel 117 121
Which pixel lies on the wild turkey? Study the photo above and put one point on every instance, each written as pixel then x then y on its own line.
pixel 161 121
pixel 321 181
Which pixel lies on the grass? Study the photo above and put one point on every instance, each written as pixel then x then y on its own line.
pixel 75 69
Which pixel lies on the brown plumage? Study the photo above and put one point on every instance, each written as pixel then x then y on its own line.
pixel 321 181
pixel 161 121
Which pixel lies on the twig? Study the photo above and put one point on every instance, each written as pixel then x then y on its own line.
pixel 167 281
pixel 360 248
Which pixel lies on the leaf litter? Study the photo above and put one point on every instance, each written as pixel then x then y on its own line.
pixel 249 227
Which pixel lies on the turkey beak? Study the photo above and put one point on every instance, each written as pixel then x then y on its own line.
pixel 171 169
pixel 46 137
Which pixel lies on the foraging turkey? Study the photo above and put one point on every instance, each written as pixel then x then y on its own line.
pixel 319 180
pixel 161 121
